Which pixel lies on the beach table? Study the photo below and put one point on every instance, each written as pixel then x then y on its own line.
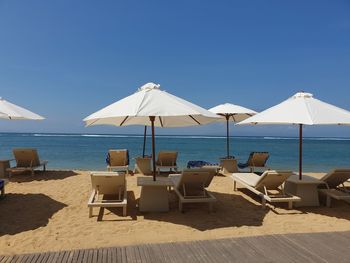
pixel 306 189
pixel 154 194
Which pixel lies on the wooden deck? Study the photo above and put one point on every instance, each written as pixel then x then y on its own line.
pixel 315 247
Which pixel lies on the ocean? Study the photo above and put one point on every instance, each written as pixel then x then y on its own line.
pixel 88 151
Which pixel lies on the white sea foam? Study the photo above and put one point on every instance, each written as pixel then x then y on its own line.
pixel 185 137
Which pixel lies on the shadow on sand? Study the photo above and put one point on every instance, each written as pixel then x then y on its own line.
pixel 41 176
pixel 23 212
pixel 230 211
pixel 103 214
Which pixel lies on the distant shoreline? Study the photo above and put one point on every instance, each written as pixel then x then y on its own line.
pixel 121 135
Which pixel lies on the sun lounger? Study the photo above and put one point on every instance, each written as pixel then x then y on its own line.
pixel 255 160
pixel 334 185
pixel 108 190
pixel 26 160
pixel 166 160
pixel 118 160
pixel 190 186
pixel 3 182
pixel 228 166
pixel 268 186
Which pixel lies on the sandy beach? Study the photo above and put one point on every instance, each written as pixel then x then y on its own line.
pixel 48 212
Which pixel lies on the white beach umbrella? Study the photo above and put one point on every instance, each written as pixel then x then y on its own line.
pixel 13 112
pixel 301 109
pixel 234 113
pixel 152 106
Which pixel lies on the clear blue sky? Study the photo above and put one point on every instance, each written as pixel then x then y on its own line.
pixel 66 59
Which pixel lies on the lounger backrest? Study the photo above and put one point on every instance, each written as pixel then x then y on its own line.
pixel 26 157
pixel 108 182
pixel 258 159
pixel 211 173
pixel 118 157
pixel 193 179
pixel 167 158
pixel 229 165
pixel 272 179
pixel 336 177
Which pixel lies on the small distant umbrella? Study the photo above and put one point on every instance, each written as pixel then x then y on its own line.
pixel 152 106
pixel 234 113
pixel 301 109
pixel 11 111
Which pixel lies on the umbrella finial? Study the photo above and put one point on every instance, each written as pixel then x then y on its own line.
pixel 149 86
pixel 302 94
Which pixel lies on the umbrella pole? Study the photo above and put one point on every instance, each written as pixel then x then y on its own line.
pixel 227 135
pixel 144 141
pixel 152 118
pixel 300 151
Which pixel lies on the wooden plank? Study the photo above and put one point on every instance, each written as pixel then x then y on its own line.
pixel 113 253
pixel 90 255
pixel 104 255
pixel 315 247
pixel 153 254
pixel 222 253
pixel 60 256
pixel 327 248
pixel 40 258
pixel 207 256
pixel 95 256
pixel 121 255
pixel 174 252
pixel 7 259
pixel 275 248
pixel 68 257
pixel 53 257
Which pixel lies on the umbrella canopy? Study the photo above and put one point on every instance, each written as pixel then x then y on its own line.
pixel 234 113
pixel 301 109
pixel 13 112
pixel 150 100
pixel 152 106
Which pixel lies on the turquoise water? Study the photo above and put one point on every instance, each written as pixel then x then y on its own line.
pixel 88 151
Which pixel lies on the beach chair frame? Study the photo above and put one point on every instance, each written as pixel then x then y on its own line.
pixel 27 159
pixel 108 183
pixel 197 180
pixel 335 186
pixel 166 160
pixel 266 195
pixel 118 160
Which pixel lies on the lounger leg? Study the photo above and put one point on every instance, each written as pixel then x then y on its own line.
pixel 32 171
pixel 124 210
pixel 210 207
pixel 180 207
pixel 263 202
pixel 234 186
pixel 44 168
pixel 90 212
pixel 328 201
pixel 290 205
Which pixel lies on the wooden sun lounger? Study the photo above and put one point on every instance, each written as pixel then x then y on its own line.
pixel 166 160
pixel 335 185
pixel 255 160
pixel 108 184
pixel 118 160
pixel 26 160
pixel 2 189
pixel 190 187
pixel 263 186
